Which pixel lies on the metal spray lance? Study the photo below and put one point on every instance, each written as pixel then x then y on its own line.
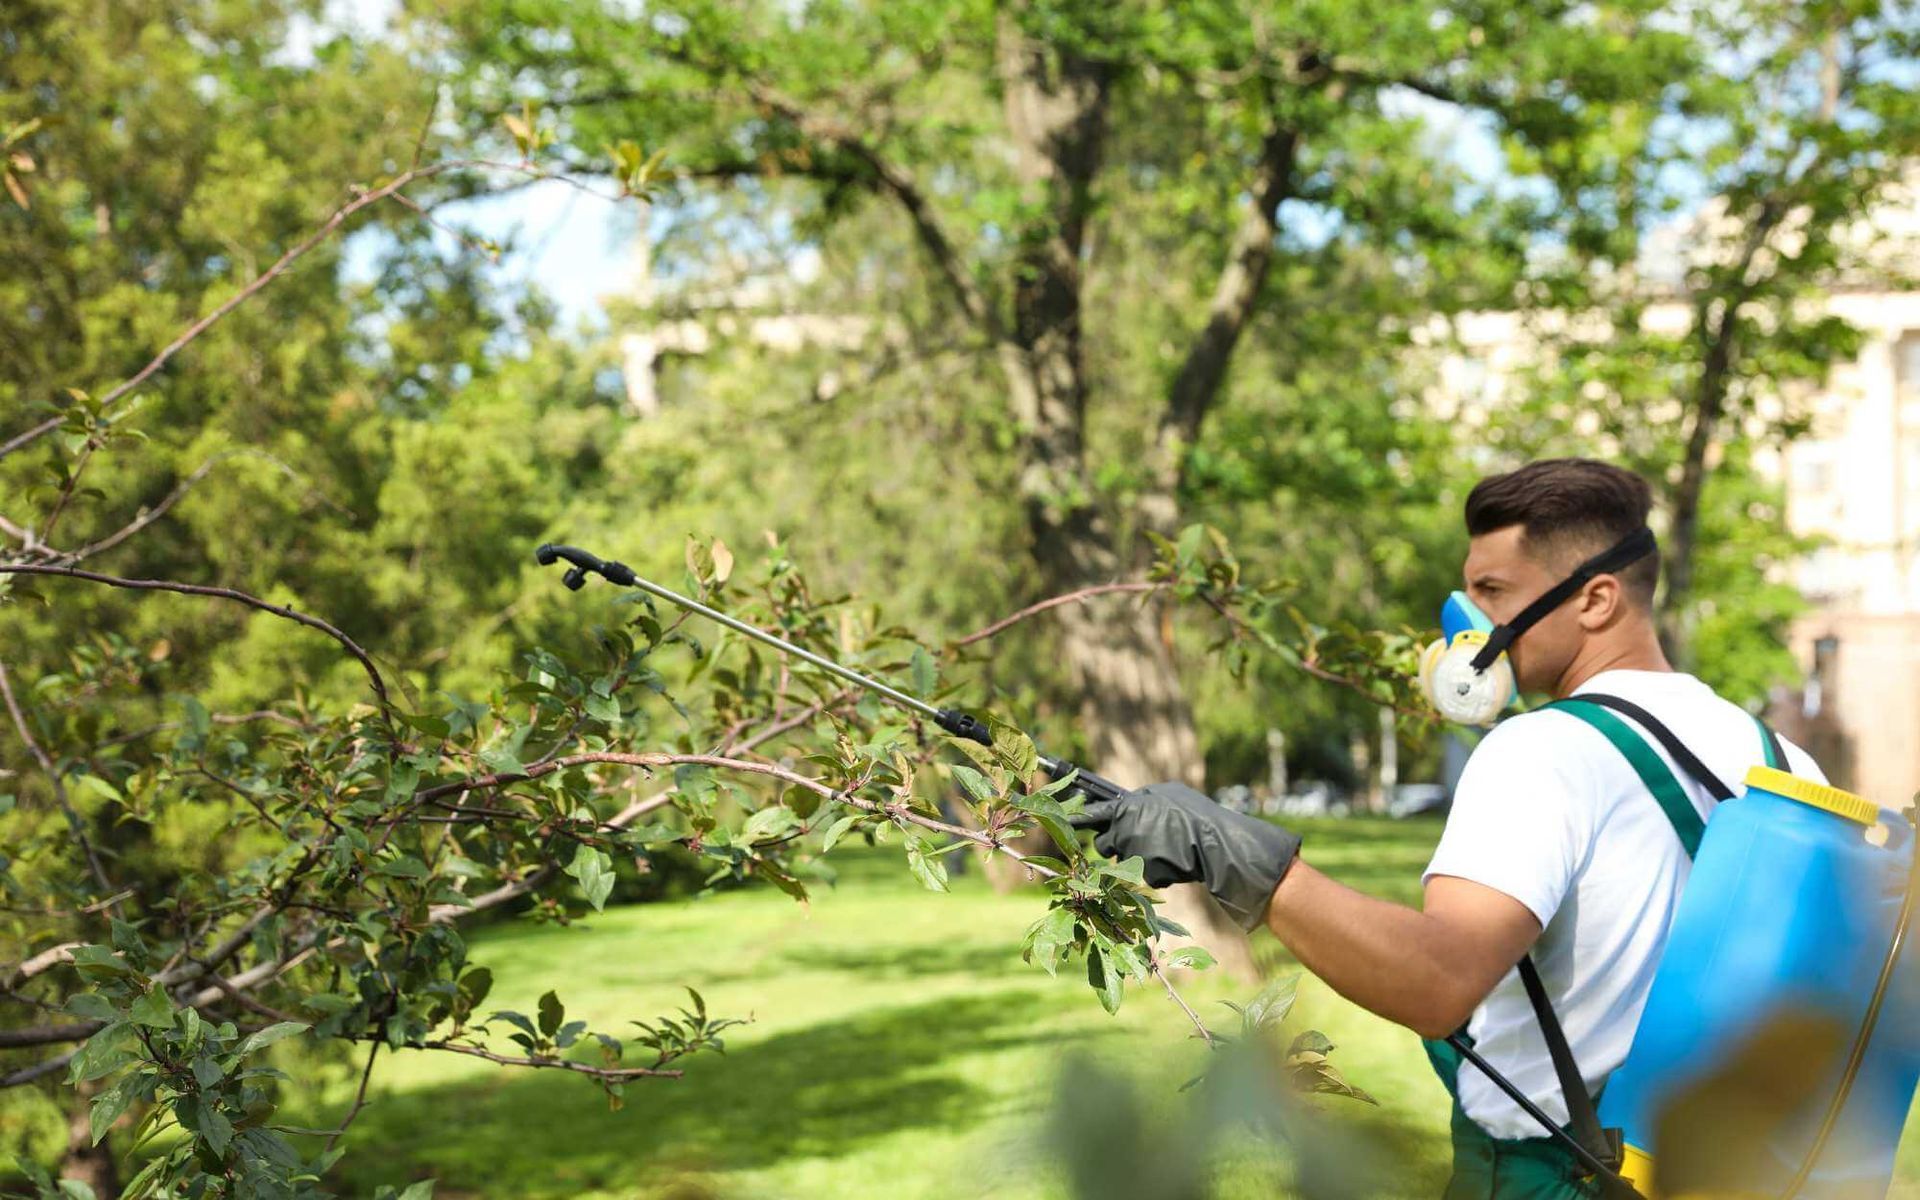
pixel 957 723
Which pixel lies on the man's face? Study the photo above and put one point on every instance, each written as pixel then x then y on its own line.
pixel 1502 578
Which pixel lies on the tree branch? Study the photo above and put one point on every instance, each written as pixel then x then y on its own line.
pixel 607 1074
pixel 148 516
pixel 193 589
pixel 360 1098
pixel 37 1071
pixel 44 961
pixel 365 199
pixel 1237 291
pixel 896 181
pixel 47 1035
pixel 1034 610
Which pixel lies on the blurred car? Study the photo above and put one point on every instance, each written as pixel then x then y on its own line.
pixel 1413 799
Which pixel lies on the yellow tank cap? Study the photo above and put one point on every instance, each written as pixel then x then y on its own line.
pixel 1637 1169
pixel 1819 795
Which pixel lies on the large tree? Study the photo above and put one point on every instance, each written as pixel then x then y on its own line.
pixel 1001 138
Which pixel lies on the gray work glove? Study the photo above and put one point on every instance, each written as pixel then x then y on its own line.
pixel 1184 837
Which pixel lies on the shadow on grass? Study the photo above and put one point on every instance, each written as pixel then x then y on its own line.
pixel 823 1091
pixel 976 960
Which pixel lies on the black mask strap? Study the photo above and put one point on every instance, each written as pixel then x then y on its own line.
pixel 1624 553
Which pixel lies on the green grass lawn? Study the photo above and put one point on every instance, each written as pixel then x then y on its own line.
pixel 898 1048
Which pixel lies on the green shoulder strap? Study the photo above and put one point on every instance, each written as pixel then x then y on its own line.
pixel 1647 764
pixel 1771 744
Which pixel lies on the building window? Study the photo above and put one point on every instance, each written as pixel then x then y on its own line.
pixel 1825 651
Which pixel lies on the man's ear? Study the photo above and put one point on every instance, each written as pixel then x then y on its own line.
pixel 1600 602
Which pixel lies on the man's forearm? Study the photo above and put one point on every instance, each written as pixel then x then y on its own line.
pixel 1385 957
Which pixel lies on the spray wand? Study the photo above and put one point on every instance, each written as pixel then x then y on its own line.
pixel 955 722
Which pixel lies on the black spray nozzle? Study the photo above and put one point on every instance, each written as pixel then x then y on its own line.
pixel 583 565
pixel 964 725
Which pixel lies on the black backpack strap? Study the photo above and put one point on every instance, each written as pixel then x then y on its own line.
pixel 1583 1120
pixel 1675 748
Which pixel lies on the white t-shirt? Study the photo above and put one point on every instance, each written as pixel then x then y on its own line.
pixel 1550 812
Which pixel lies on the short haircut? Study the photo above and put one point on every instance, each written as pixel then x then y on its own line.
pixel 1569 509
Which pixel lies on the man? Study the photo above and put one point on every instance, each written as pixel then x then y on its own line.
pixel 1554 847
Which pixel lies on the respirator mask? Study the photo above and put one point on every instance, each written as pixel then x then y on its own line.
pixel 1466 674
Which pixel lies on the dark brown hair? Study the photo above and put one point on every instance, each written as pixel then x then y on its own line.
pixel 1569 509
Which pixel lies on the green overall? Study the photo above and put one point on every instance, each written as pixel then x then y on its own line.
pixel 1542 1168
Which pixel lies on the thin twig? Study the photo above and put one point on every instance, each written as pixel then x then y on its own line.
pixel 245 1001
pixel 74 822
pixel 359 1100
pixel 194 589
pixel 1173 993
pixel 364 199
pixel 727 746
pixel 1085 593
pixel 612 1074
pixel 148 516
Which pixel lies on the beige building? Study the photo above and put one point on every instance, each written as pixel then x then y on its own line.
pixel 1854 483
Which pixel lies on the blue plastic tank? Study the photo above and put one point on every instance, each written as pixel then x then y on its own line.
pixel 1798 901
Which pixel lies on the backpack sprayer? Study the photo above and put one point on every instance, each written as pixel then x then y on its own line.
pixel 957 723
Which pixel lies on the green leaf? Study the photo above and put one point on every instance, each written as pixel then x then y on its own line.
pixel 1050 938
pixel 1132 870
pixel 108 1106
pixel 837 830
pixel 1193 957
pixel 279 1031
pixel 925 677
pixel 475 985
pixel 1311 1041
pixel 153 1009
pixel 101 787
pixel 927 868
pixel 769 822
pixel 603 708
pixel 91 1006
pixel 102 1054
pixel 517 1020
pixel 430 725
pixel 404 867
pixel 1273 1003
pixel 1053 818
pixel 503 761
pixel 1106 982
pixel 214 1126
pixel 552 1013
pixel 594 871
pixel 404 777
pixel 976 785
pixel 1013 747
pixel 1189 543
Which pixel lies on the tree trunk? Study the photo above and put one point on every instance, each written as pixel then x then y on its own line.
pixel 1139 725
pixel 1718 340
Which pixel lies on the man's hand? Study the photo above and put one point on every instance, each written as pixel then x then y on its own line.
pixel 1186 838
